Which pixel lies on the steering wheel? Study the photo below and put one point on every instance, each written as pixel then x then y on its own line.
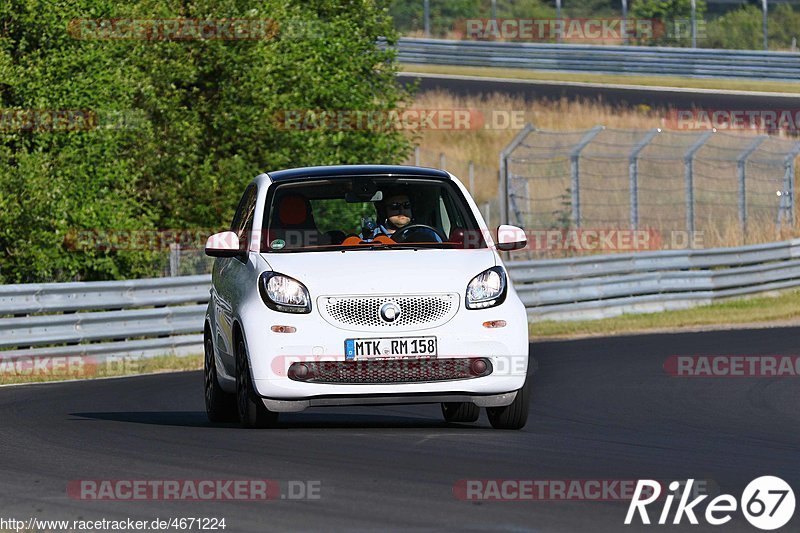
pixel 419 232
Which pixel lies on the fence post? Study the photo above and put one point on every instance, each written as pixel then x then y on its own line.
pixel 503 193
pixel 416 156
pixel 788 183
pixel 688 165
pixel 472 178
pixel 575 173
pixel 174 259
pixel 633 174
pixel 741 170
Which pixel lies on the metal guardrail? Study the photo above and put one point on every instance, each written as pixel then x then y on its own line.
pixel 645 60
pixel 609 285
pixel 140 318
pixel 107 318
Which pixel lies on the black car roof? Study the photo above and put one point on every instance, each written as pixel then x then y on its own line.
pixel 356 170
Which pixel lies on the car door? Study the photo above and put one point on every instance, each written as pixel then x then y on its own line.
pixel 228 276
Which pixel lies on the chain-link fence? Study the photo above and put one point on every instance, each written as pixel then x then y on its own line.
pixel 187 261
pixel 731 188
pixel 471 174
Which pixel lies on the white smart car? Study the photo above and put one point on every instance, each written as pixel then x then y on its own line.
pixel 357 285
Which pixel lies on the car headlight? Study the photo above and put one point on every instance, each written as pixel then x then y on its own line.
pixel 487 289
pixel 282 293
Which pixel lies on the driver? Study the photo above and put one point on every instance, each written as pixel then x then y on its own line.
pixel 397 208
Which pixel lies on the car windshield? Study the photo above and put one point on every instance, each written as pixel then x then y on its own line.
pixel 367 213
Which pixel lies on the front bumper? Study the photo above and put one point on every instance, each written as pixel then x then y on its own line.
pixel 464 336
pixel 293 406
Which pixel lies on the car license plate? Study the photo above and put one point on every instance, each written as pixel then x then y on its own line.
pixel 417 347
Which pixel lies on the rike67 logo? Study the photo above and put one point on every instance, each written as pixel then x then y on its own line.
pixel 767 503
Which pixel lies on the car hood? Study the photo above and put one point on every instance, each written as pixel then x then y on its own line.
pixel 382 271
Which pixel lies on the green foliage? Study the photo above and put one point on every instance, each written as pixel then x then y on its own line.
pixel 739 29
pixel 665 9
pixel 783 25
pixel 526 9
pixel 673 27
pixel 200 116
pixel 742 28
pixel 331 215
pixel 449 15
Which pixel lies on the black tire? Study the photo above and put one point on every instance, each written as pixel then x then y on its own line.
pixel 220 405
pixel 515 415
pixel 460 412
pixel 252 411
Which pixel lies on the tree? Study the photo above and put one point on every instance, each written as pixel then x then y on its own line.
pixel 672 18
pixel 199 119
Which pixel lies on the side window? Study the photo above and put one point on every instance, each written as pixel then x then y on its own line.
pixel 243 219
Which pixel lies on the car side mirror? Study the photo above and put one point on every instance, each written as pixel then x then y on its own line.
pixel 223 244
pixel 511 238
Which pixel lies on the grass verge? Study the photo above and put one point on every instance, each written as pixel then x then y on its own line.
pixel 617 79
pixel 72 368
pixel 754 311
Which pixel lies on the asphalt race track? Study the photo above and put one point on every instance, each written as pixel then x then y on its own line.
pixel 602 409
pixel 619 95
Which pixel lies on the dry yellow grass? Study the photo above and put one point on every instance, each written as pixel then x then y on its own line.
pixel 482 146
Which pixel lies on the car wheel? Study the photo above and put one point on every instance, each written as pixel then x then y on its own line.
pixel 460 411
pixel 515 415
pixel 252 412
pixel 220 406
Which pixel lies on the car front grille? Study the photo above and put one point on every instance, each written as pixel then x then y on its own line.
pixel 375 371
pixel 363 312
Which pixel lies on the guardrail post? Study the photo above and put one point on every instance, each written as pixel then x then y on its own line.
pixel 575 173
pixel 416 156
pixel 633 174
pixel 688 166
pixel 503 196
pixel 442 161
pixel 741 170
pixel 787 198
